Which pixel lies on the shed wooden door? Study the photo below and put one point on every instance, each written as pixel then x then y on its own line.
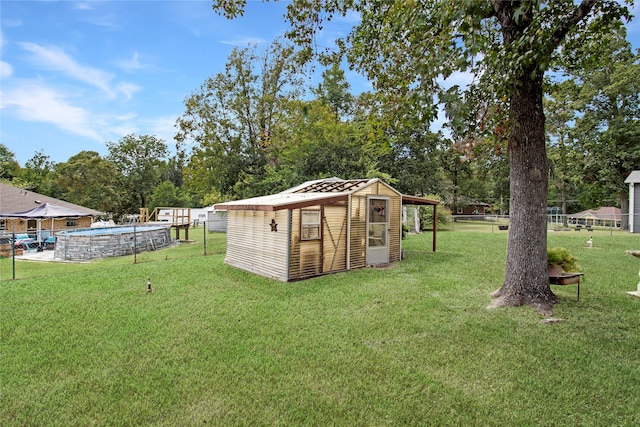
pixel 378 230
pixel 334 238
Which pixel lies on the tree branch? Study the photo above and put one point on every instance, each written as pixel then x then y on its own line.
pixel 574 18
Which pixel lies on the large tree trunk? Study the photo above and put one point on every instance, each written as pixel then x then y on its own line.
pixel 526 279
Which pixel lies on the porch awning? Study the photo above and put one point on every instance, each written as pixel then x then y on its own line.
pixel 47 210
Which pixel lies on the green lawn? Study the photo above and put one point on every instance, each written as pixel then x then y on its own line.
pixel 86 344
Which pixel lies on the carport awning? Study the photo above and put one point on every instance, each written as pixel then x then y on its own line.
pixel 421 201
pixel 418 201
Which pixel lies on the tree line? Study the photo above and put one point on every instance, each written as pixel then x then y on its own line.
pixel 256 128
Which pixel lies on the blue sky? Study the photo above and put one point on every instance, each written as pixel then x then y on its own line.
pixel 76 74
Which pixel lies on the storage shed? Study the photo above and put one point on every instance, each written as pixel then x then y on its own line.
pixel 634 201
pixel 319 227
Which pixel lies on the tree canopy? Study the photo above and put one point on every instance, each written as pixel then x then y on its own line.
pixel 140 162
pixel 232 120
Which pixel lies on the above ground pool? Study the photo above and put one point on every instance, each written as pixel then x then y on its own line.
pixel 92 243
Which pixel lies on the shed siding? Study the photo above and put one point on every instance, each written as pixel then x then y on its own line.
pixel 635 209
pixel 252 246
pixel 358 232
pixel 395 238
pixel 295 271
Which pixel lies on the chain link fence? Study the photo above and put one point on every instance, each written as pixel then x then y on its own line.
pixel 555 223
pixel 23 256
pixel 203 238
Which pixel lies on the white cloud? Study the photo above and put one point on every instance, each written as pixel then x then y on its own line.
pixel 128 89
pixel 131 64
pixel 83 5
pixel 126 117
pixel 5 69
pixel 161 127
pixel 53 58
pixel 34 102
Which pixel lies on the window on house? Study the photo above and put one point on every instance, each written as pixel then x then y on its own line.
pixel 310 224
pixel 3 224
pixel 72 222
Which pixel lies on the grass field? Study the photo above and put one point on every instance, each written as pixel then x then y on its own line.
pixel 86 344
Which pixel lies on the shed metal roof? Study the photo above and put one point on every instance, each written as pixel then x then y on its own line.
pixel 331 185
pixel 312 193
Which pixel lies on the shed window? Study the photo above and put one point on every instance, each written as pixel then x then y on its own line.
pixel 310 223
pixel 72 222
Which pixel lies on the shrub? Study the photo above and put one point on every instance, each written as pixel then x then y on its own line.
pixel 564 258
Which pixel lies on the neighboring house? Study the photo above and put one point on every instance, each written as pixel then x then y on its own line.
pixel 316 228
pixel 605 216
pixel 199 215
pixel 634 201
pixel 14 199
pixel 467 206
pixel 216 220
